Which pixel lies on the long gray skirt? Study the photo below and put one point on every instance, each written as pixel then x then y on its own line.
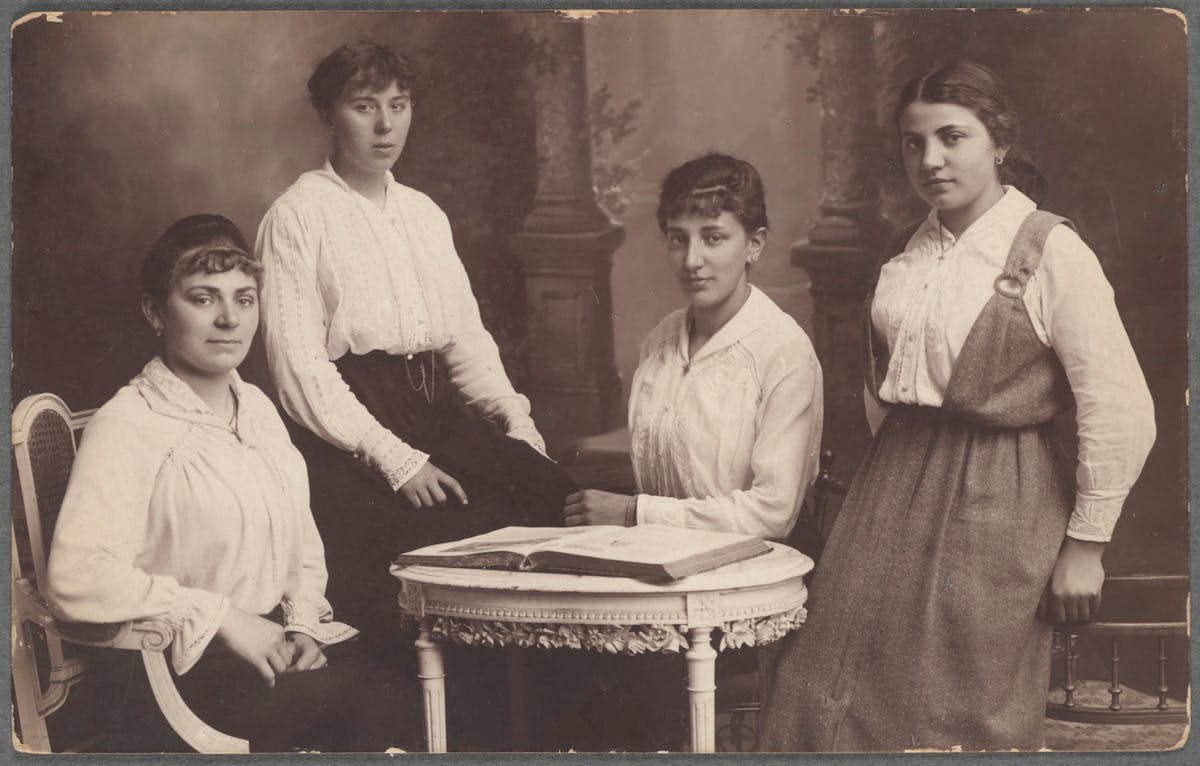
pixel 922 629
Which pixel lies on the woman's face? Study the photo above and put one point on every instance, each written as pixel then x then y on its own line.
pixel 208 322
pixel 369 129
pixel 710 257
pixel 950 160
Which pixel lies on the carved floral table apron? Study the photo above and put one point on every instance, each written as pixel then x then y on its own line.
pixel 749 603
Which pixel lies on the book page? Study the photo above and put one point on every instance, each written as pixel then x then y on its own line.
pixel 649 543
pixel 518 540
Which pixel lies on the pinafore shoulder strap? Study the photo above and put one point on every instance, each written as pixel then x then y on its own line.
pixel 1026 252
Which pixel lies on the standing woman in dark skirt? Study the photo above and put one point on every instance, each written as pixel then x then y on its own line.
pixel 963 536
pixel 412 431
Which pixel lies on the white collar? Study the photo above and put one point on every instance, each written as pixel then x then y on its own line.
pixel 757 309
pixel 167 394
pixel 1012 207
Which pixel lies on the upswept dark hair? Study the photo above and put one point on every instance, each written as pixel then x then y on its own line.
pixel 358 65
pixel 975 86
pixel 206 243
pixel 711 185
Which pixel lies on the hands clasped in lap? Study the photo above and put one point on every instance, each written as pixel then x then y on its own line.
pixel 266 646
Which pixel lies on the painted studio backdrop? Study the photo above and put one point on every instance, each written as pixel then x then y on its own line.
pixel 544 139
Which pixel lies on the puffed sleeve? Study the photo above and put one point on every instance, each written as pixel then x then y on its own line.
pixel 473 359
pixel 305 608
pixel 101 531
pixel 1114 410
pixel 784 459
pixel 294 334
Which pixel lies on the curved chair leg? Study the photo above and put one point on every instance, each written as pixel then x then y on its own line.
pixel 198 734
pixel 34 736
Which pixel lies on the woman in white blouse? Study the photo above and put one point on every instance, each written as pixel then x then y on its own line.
pixel 187 503
pixel 963 536
pixel 375 344
pixel 725 409
pixel 725 413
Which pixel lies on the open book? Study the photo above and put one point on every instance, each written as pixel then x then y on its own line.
pixel 646 551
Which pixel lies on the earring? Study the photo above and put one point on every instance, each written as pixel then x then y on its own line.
pixel 1000 159
pixel 753 258
pixel 158 330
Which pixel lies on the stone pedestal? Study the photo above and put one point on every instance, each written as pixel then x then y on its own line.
pixel 566 245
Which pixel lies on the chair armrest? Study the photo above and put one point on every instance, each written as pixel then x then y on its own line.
pixel 31 606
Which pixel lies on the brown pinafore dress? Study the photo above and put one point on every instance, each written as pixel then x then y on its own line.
pixel 922 628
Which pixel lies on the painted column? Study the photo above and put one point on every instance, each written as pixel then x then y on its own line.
pixel 839 253
pixel 566 245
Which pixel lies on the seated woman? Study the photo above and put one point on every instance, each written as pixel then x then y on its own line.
pixel 187 503
pixel 375 344
pixel 725 412
pixel 726 406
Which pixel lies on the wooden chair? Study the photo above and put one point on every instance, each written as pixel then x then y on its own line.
pixel 742 684
pixel 1172 589
pixel 44 433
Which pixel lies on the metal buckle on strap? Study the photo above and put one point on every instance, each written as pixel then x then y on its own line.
pixel 1009 287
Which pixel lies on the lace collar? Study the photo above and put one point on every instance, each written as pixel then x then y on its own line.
pixel 166 394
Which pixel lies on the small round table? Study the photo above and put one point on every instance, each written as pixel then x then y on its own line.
pixel 750 603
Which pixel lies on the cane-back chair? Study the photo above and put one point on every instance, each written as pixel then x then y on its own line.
pixel 45 660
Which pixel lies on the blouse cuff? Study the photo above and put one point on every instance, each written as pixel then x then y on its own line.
pixel 196 628
pixel 392 457
pixel 305 616
pixel 528 433
pixel 1096 515
pixel 653 509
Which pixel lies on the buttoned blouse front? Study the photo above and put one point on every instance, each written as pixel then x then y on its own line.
pixel 928 298
pixel 345 276
pixel 727 439
pixel 172 513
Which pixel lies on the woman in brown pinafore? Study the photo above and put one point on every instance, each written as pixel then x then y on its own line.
pixel 964 535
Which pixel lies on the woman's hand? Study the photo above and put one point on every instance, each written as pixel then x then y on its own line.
pixel 428 487
pixel 258 641
pixel 308 654
pixel 1073 593
pixel 591 507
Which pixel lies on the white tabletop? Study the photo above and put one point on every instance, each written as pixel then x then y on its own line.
pixel 778 564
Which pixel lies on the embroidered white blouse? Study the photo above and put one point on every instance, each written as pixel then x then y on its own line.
pixel 344 276
pixel 728 439
pixel 171 512
pixel 929 296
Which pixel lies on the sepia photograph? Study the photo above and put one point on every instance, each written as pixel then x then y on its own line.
pixel 600 381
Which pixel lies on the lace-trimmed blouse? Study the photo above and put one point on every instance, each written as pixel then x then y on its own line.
pixel 729 439
pixel 344 276
pixel 929 296
pixel 173 513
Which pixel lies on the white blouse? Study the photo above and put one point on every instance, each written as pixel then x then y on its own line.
pixel 929 296
pixel 344 276
pixel 729 439
pixel 171 512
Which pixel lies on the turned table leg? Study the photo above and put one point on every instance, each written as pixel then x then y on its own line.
pixel 702 686
pixel 431 671
pixel 518 698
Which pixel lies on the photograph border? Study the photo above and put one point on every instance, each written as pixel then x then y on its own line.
pixel 1189 753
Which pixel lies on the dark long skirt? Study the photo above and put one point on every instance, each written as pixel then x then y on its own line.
pixel 352 705
pixel 365 524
